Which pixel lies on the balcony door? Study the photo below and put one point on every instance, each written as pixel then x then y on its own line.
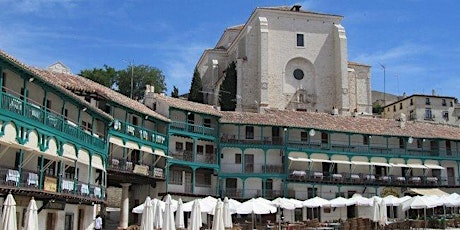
pixel 231 187
pixel 269 188
pixel 249 163
pixel 188 151
pixel 276 135
pixel 450 176
pixel 188 182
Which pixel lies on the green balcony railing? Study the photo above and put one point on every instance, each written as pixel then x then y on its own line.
pixel 373 149
pixel 50 118
pixel 192 128
pixel 141 133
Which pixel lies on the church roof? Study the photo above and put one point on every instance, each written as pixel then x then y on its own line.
pixel 290 9
pixel 348 124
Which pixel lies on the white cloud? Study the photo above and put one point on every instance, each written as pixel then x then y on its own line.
pixel 394 54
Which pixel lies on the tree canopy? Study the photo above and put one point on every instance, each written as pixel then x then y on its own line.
pixel 196 88
pixel 227 92
pixel 175 92
pixel 120 80
pixel 142 75
pixel 105 76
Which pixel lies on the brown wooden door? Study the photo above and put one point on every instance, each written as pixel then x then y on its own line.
pixel 51 221
pixel 450 176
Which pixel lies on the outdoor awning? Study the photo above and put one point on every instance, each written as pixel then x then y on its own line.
pixel 416 166
pixel 398 165
pixel 380 164
pixel 129 144
pixel 146 149
pixel 161 153
pixel 96 162
pixel 427 191
pixel 83 157
pixel 370 163
pixel 301 159
pixel 433 166
pixel 320 160
pixel 341 162
pixel 360 163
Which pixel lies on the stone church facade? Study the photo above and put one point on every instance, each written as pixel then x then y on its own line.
pixel 288 58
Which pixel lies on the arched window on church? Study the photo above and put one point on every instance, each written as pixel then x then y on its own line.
pixel 301 99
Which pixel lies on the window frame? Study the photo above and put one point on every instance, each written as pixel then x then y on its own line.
pixel 300 43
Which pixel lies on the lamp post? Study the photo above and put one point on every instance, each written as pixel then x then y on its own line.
pixel 131 64
pixel 384 92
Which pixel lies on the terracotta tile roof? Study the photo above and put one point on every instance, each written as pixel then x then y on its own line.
pixel 350 124
pixel 236 27
pixel 36 73
pixel 188 105
pixel 356 63
pixel 78 83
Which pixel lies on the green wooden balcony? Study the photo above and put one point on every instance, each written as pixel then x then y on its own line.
pixel 373 149
pixel 142 134
pixel 192 128
pixel 29 112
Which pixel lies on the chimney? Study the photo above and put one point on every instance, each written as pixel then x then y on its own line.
pixel 335 111
pixel 433 92
pixel 402 120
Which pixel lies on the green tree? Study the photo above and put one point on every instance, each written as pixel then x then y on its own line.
pixel 105 76
pixel 175 92
pixel 196 93
pixel 142 75
pixel 227 92
pixel 377 108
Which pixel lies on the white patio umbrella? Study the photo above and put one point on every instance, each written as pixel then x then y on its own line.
pixel 315 202
pixel 297 203
pixel 404 198
pixel 340 203
pixel 232 204
pixel 287 206
pixel 207 205
pixel 376 209
pixel 383 213
pixel 147 215
pixel 218 221
pixel 195 216
pixel 392 201
pixel 180 214
pixel 168 217
pixel 359 200
pixel 9 213
pixel 256 206
pixel 283 203
pixel 158 217
pixel 418 202
pixel 227 216
pixel 31 222
pixel 138 209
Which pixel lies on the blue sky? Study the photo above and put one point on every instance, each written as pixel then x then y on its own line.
pixel 418 41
